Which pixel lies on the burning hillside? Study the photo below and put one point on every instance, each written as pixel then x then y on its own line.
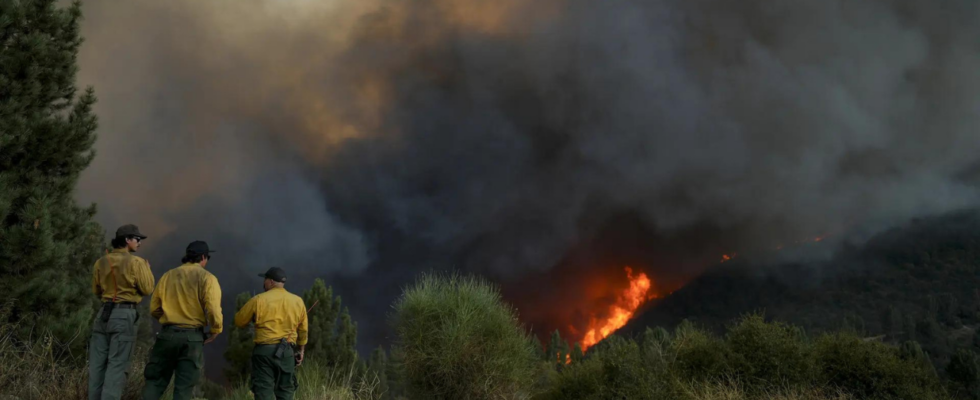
pixel 612 301
pixel 627 304
pixel 501 137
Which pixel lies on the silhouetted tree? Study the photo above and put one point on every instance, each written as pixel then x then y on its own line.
pixel 47 242
pixel 333 334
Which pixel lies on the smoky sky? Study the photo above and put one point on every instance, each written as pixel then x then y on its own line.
pixel 366 141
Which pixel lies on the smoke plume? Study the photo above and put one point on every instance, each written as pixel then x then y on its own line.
pixel 364 141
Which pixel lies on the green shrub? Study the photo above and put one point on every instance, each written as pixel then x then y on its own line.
pixel 964 370
pixel 458 339
pixel 872 370
pixel 698 355
pixel 769 355
pixel 615 368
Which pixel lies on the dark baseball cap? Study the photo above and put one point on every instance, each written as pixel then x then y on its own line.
pixel 129 230
pixel 198 247
pixel 275 273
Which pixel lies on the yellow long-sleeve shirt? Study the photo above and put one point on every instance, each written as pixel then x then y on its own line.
pixel 188 296
pixel 277 314
pixel 122 275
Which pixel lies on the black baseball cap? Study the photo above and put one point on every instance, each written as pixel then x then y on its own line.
pixel 275 273
pixel 198 247
pixel 129 230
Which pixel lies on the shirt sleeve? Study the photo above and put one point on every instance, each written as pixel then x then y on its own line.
pixel 212 304
pixel 246 314
pixel 302 334
pixel 144 278
pixel 96 287
pixel 156 303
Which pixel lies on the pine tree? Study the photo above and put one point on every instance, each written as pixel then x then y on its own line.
pixel 345 353
pixel 333 334
pixel 557 351
pixel 949 310
pixel 378 365
pixel 973 310
pixel 932 307
pixel 891 322
pixel 910 331
pixel 964 368
pixel 853 323
pixel 911 351
pixel 539 349
pixel 240 343
pixel 396 374
pixel 577 354
pixel 47 242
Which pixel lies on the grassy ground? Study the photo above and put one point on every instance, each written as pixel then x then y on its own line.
pixel 31 371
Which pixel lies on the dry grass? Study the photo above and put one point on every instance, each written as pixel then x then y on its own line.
pixel 32 370
pixel 732 391
pixel 319 383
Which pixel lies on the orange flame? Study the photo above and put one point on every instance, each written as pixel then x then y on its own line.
pixel 622 311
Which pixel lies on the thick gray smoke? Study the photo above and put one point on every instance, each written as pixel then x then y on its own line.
pixel 369 140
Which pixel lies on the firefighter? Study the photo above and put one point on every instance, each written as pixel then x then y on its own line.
pixel 186 301
pixel 120 280
pixel 280 324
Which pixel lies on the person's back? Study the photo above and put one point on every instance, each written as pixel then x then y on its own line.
pixel 119 280
pixel 180 292
pixel 187 299
pixel 280 325
pixel 278 314
pixel 121 277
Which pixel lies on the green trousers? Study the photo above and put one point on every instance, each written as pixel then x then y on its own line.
pixel 273 379
pixel 109 353
pixel 177 353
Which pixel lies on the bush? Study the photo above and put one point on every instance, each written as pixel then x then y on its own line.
pixel 697 354
pixel 457 339
pixel 755 360
pixel 872 370
pixel 769 355
pixel 614 370
pixel 964 370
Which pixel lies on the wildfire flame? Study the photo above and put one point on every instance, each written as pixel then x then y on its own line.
pixel 621 312
pixel 639 291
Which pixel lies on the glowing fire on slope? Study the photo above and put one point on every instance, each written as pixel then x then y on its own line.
pixel 626 305
pixel 727 257
pixel 628 300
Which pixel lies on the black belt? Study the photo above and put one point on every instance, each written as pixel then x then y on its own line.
pixel 120 305
pixel 175 328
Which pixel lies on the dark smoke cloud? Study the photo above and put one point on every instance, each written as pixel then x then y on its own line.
pixel 366 141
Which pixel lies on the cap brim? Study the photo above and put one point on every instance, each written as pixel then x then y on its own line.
pixel 261 275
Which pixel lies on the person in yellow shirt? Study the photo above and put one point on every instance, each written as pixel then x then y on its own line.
pixel 186 300
pixel 280 323
pixel 119 280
